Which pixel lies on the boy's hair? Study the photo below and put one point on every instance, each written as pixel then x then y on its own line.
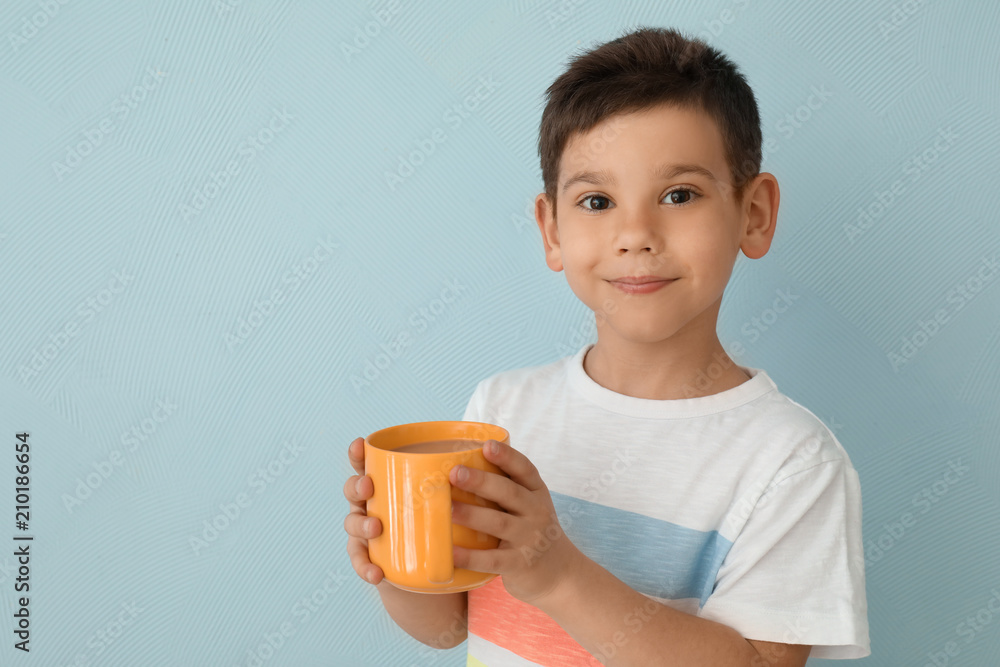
pixel 645 68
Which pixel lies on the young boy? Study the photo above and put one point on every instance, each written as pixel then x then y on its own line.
pixel 666 506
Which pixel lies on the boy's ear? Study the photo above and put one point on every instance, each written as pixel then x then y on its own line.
pixel 550 233
pixel 760 215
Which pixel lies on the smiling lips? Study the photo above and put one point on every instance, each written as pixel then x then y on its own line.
pixel 635 280
pixel 640 284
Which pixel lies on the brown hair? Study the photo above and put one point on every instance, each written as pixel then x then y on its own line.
pixel 645 68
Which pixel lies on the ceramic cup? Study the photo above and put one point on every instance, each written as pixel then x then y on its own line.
pixel 412 498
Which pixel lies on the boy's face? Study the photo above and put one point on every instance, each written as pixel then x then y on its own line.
pixel 633 221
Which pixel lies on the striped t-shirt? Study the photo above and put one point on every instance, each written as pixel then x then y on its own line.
pixel 740 507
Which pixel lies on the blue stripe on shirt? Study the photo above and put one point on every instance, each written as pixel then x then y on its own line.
pixel 652 556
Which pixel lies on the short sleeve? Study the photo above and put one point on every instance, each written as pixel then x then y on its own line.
pixel 795 572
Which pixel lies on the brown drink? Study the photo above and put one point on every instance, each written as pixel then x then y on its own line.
pixel 439 446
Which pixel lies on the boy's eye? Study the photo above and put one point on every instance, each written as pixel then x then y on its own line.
pixel 597 198
pixel 601 203
pixel 673 200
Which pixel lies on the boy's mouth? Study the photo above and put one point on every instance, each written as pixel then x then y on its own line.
pixel 639 280
pixel 645 285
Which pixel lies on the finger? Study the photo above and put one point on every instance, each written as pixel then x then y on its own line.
pixel 483 519
pixel 361 526
pixel 514 463
pixel 358 551
pixel 479 560
pixel 358 488
pixel 504 491
pixel 356 454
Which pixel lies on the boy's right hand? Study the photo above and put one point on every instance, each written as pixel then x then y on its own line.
pixel 359 526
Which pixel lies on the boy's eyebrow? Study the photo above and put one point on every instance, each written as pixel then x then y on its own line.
pixel 667 171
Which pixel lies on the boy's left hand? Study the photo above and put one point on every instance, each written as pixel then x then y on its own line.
pixel 535 556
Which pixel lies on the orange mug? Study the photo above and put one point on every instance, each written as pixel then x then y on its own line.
pixel 412 499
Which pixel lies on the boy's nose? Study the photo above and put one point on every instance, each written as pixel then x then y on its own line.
pixel 637 237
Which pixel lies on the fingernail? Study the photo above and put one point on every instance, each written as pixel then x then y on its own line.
pixel 357 486
pixel 492 446
pixel 369 525
pixel 370 577
pixel 462 474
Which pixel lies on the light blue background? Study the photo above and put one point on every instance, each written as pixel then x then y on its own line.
pixel 897 74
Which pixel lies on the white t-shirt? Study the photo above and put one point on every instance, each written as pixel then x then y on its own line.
pixel 740 507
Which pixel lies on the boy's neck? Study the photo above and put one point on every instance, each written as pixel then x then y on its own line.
pixel 674 374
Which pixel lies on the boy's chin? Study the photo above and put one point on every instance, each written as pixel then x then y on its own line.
pixel 642 333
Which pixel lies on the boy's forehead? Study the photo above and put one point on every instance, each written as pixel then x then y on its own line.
pixel 664 141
